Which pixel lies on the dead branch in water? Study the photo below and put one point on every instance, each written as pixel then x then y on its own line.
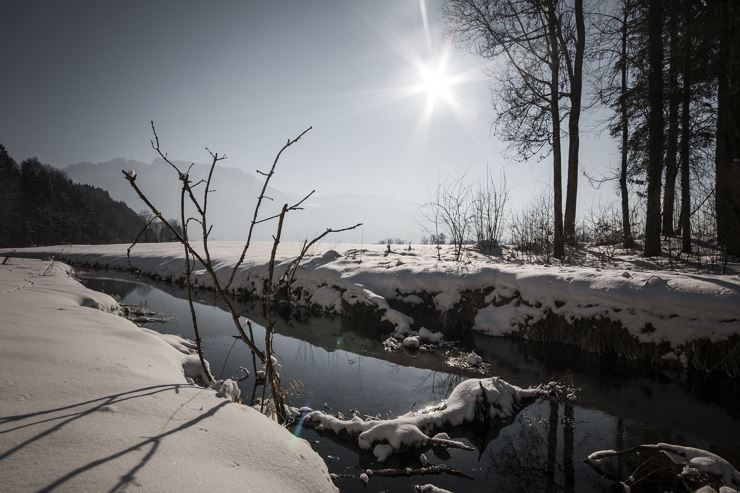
pixel 418 471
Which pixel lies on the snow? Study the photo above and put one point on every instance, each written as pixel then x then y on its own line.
pixel 382 451
pixel 432 337
pixel 473 359
pixel 391 344
pixel 693 459
pixel 411 430
pixel 704 462
pixel 600 454
pixel 653 305
pixel 412 342
pixel 429 488
pixel 91 402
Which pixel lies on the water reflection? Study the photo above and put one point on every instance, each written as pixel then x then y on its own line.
pixel 541 449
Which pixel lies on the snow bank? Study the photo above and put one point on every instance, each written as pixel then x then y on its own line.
pixel 654 306
pixel 492 396
pixel 90 402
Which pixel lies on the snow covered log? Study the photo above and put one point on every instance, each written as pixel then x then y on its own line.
pixel 473 399
pixel 91 402
pixel 667 317
pixel 701 471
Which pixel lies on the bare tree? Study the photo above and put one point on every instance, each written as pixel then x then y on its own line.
pixel 202 257
pixel 574 69
pixel 728 129
pixel 655 127
pixel 613 55
pixel 685 131
pixel 671 161
pixel 526 36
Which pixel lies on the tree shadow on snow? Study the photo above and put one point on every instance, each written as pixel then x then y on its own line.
pixel 100 405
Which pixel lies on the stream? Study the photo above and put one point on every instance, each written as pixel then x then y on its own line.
pixel 330 366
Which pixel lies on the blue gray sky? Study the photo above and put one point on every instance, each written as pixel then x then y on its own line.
pixel 81 80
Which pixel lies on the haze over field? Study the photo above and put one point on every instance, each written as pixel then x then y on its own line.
pixel 382 216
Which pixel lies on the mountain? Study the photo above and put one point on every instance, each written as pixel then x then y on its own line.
pixel 235 193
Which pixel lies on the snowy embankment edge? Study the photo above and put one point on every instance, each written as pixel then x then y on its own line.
pixel 64 346
pixel 404 291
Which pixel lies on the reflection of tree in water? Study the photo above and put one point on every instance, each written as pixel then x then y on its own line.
pixel 143 289
pixel 112 287
pixel 441 384
pixel 518 456
pixel 306 352
pixel 528 452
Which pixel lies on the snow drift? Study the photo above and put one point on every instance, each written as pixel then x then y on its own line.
pixel 90 402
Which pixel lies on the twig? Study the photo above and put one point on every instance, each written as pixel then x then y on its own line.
pixel 268 176
pixel 290 272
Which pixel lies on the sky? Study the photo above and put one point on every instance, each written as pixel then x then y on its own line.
pixel 82 79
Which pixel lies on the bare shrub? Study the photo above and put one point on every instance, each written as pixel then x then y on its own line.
pixel 450 212
pixel 532 229
pixel 604 225
pixel 489 214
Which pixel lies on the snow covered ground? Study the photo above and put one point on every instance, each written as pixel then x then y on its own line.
pixel 655 306
pixel 91 402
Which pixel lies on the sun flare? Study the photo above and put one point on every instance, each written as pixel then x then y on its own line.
pixel 435 82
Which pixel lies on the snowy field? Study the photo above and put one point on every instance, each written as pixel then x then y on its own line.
pixel 91 402
pixel 654 305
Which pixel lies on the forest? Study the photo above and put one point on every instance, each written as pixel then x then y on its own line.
pixel 41 206
pixel 658 76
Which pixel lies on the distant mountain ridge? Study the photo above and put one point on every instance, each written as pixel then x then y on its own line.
pixel 236 191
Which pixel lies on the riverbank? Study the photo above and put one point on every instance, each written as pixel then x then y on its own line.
pixel 686 319
pixel 344 370
pixel 92 402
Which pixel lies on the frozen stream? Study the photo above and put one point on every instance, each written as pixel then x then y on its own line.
pixel 542 449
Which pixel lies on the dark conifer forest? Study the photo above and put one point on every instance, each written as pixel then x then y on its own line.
pixel 41 206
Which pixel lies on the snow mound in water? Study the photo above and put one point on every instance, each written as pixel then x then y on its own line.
pixel 428 335
pixel 474 359
pixel 412 342
pixel 471 400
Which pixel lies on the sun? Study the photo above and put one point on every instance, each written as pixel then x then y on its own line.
pixel 435 82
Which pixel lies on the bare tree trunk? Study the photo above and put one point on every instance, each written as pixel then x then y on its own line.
pixel 552 20
pixel 686 136
pixel 671 163
pixel 628 240
pixel 728 130
pixel 655 130
pixel 576 85
pixel 189 287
